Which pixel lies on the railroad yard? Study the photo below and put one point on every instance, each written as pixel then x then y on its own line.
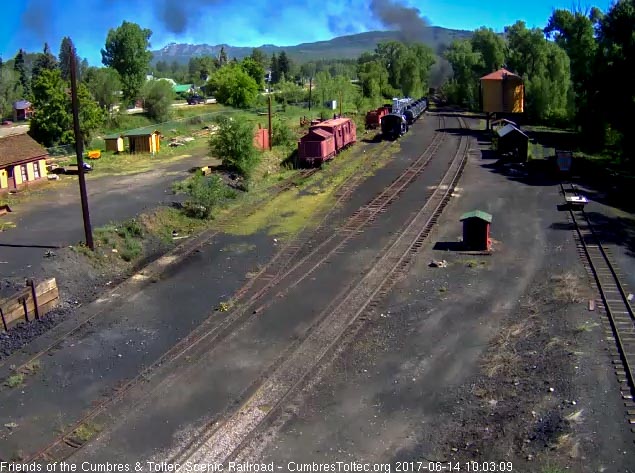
pixel 371 336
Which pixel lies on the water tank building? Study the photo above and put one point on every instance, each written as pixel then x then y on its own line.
pixel 502 92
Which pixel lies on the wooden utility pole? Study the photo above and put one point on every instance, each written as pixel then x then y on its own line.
pixel 270 129
pixel 340 103
pixel 310 87
pixel 79 151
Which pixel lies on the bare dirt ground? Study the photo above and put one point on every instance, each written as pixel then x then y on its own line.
pixel 136 328
pixel 494 358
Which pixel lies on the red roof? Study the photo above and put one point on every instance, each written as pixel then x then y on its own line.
pixel 500 75
pixel 318 131
pixel 335 122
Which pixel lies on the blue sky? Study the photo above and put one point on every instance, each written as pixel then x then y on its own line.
pixel 29 23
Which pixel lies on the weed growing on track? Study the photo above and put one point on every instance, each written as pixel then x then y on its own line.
pixel 15 380
pixel 86 431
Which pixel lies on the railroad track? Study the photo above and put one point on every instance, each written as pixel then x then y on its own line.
pixel 223 440
pixel 67 443
pixel 613 299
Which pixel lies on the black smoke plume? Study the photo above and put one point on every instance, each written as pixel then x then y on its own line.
pixel 407 20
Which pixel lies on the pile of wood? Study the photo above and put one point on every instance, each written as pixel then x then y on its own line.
pixel 31 303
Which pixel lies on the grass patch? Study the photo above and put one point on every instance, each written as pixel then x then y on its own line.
pixel 32 367
pixel 15 380
pixel 568 288
pixel 474 263
pixel 124 238
pixel 86 431
pixel 586 327
pixel 291 212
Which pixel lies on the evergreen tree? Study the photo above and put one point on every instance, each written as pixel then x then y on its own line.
pixel 275 69
pixel 20 68
pixel 222 57
pixel 284 65
pixel 45 61
pixel 67 48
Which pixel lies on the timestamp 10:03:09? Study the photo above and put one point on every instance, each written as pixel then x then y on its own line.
pixel 469 466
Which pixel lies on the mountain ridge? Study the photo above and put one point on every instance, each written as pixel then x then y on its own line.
pixel 340 47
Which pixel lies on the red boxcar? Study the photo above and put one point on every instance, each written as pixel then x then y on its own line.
pixel 316 146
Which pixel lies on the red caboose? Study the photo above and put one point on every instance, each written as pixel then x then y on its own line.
pixel 373 118
pixel 342 129
pixel 325 139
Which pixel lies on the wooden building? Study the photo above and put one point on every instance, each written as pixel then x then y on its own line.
pixel 502 92
pixel 22 110
pixel 476 227
pixel 114 143
pixel 22 161
pixel 512 143
pixel 144 141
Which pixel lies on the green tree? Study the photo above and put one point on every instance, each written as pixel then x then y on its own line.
pixel 616 76
pixel 289 92
pixel 91 116
pixel 233 143
pixel 200 68
pixel 127 52
pixel 10 91
pixel 231 85
pixel 527 48
pixel 275 68
pixel 52 121
pixel 260 57
pixel 20 69
pixel 157 99
pixel 574 31
pixel 284 64
pixel 464 61
pixel 104 85
pixel 44 61
pixel 255 71
pixel 67 48
pixel 222 57
pixel 492 48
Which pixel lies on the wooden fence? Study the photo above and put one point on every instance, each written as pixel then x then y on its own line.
pixel 30 303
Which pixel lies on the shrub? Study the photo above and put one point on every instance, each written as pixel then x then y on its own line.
pixel 233 143
pixel 205 194
pixel 281 134
pixel 158 96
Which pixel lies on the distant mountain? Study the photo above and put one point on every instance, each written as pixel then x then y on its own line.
pixel 342 47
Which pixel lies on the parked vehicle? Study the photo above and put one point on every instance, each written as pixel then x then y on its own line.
pixel 195 100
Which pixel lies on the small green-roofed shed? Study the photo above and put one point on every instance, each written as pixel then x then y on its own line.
pixel 182 88
pixel 114 142
pixel 477 214
pixel 476 227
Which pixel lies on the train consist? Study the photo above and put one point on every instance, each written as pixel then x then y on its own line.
pixel 327 138
pixel 403 114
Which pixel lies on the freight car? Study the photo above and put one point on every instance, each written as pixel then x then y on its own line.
pixel 373 117
pixel 326 139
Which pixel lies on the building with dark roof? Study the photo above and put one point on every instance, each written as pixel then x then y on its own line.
pixel 22 110
pixel 22 161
